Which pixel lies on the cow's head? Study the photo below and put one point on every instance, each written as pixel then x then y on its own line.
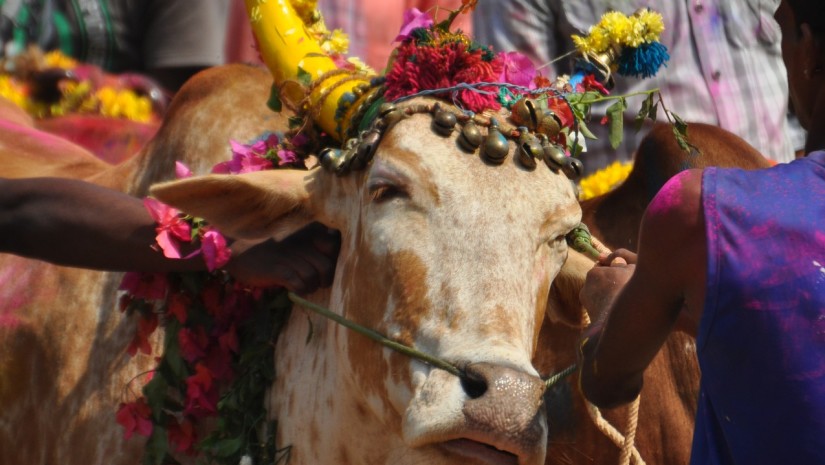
pixel 440 251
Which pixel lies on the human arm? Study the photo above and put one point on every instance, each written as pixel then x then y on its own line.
pixel 667 283
pixel 73 223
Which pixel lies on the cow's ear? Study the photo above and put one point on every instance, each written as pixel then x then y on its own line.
pixel 257 205
pixel 563 303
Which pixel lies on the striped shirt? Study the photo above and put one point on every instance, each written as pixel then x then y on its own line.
pixel 725 69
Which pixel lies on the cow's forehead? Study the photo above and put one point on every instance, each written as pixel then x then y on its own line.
pixel 464 185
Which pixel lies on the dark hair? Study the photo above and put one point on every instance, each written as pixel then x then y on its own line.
pixel 811 12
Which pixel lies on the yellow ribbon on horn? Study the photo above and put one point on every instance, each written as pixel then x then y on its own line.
pixel 286 46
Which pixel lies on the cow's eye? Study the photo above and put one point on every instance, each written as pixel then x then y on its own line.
pixel 384 191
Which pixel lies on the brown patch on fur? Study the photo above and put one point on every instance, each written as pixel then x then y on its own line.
pixel 410 292
pixel 412 163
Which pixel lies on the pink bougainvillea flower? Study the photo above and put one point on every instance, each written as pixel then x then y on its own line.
pixel 134 417
pixel 146 326
pixel 228 341
pixel 215 252
pixel 413 19
pixel 286 157
pixel 248 158
pixel 182 171
pixel 200 396
pixel 182 436
pixel 150 286
pixel 171 227
pixel 518 69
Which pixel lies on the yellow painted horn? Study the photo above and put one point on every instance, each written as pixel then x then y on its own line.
pixel 286 46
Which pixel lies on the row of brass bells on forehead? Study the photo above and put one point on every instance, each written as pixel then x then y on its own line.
pixel 556 159
pixel 388 115
pixel 530 114
pixel 444 121
pixel 529 149
pixel 496 146
pixel 470 138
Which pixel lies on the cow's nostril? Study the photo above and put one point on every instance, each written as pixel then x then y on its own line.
pixel 474 385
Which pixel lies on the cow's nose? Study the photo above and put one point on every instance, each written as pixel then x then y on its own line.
pixel 505 409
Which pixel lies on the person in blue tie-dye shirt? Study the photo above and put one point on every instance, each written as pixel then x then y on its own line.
pixel 736 258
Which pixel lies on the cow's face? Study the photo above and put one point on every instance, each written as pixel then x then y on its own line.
pixel 442 252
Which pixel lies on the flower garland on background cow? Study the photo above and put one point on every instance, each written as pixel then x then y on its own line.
pixel 218 357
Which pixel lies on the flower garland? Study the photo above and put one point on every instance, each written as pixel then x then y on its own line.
pixel 76 97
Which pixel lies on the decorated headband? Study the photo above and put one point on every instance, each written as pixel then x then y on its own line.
pixel 356 107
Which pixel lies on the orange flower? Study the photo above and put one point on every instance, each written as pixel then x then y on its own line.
pixel 468 5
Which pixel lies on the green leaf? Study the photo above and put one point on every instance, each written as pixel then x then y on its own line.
pixel 644 112
pixel 155 393
pixel 310 331
pixel 585 131
pixel 679 124
pixel 304 77
pixel 157 447
pixel 615 120
pixel 652 113
pixel 274 102
pixel 680 139
pixel 227 447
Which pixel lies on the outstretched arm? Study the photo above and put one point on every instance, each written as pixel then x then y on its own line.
pixel 666 283
pixel 74 223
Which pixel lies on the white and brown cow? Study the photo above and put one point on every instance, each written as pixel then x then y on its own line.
pixel 440 251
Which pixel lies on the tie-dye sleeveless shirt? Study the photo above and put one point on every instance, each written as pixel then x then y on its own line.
pixel 761 340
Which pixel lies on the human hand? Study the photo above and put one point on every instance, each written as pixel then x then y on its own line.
pixel 301 263
pixel 604 282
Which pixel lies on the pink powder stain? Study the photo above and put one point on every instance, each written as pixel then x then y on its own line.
pixel 14 281
pixel 670 196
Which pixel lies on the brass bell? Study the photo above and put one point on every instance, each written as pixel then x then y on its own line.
pixel 554 156
pixel 470 138
pixel 549 124
pixel 573 168
pixel 443 122
pixel 529 149
pixel 496 146
pixel 523 113
pixel 333 160
pixel 388 115
pixel 366 149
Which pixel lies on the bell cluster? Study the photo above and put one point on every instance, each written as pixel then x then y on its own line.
pixel 532 137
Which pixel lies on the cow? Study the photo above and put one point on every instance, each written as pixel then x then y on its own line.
pixel 68 364
pixel 63 369
pixel 671 383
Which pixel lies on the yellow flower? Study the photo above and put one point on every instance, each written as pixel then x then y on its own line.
pixel 360 65
pixel 653 24
pixel 124 104
pixel 56 59
pixel 337 42
pixel 12 91
pixel 604 180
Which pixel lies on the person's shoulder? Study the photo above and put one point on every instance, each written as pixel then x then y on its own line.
pixel 679 201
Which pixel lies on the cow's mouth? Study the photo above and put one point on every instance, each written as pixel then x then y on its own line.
pixel 479 452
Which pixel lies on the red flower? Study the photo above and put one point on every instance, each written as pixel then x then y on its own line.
pixel 134 417
pixel 200 396
pixel 228 341
pixel 182 436
pixel 215 252
pixel 193 343
pixel 591 83
pixel 178 305
pixel 150 286
pixel 561 108
pixel 146 326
